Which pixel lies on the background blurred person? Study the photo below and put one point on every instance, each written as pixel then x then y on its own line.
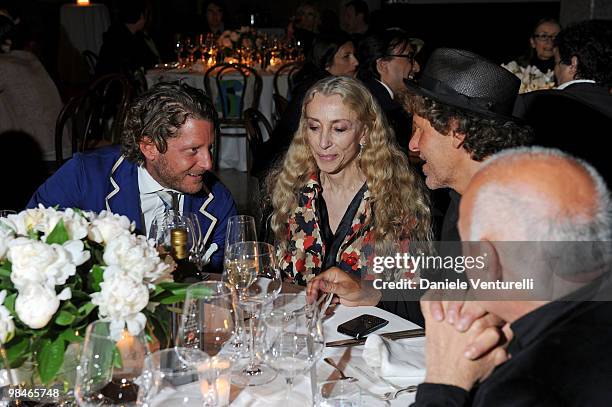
pixel 215 12
pixel 355 19
pixel 343 187
pixel 125 47
pixel 541 45
pixel 386 60
pixel 582 101
pixel 29 99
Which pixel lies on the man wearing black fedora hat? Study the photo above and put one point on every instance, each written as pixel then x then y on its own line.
pixel 462 114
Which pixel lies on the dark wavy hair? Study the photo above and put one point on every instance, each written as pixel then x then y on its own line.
pixel 591 43
pixel 380 45
pixel 159 113
pixel 483 136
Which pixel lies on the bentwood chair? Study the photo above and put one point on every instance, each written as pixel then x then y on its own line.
pixel 258 128
pixel 233 88
pixel 94 118
pixel 285 73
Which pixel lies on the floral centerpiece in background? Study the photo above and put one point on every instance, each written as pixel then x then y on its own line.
pixel 61 270
pixel 531 77
pixel 233 43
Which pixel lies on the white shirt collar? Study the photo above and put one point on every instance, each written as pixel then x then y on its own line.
pixel 566 84
pixel 147 184
pixel 386 87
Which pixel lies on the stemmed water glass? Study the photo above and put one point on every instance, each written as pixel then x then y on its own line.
pixel 110 371
pixel 208 317
pixel 251 268
pixel 292 337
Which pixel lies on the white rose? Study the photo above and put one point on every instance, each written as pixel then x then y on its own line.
pixel 136 254
pixel 6 236
pixel 36 262
pixel 7 326
pixel 35 304
pixel 107 226
pixel 121 299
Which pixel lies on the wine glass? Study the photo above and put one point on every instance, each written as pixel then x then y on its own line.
pixel 110 372
pixel 292 337
pixel 251 268
pixel 339 393
pixel 240 228
pixel 173 378
pixel 208 317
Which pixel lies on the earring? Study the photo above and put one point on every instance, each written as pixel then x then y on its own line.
pixel 360 150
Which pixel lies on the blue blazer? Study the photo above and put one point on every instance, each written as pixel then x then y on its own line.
pixel 104 179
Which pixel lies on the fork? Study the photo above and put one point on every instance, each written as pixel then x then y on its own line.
pixel 391 395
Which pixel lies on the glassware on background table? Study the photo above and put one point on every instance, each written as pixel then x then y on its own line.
pixel 173 378
pixel 208 321
pixel 338 393
pixel 251 268
pixel 6 212
pixel 291 337
pixel 110 372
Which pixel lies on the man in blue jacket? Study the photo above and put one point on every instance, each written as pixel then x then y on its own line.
pixel 164 160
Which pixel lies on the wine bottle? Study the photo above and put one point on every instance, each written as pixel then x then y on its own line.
pixel 186 271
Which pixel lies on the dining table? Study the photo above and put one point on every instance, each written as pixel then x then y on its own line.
pixel 233 153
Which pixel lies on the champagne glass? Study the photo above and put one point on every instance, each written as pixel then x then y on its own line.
pixel 208 317
pixel 110 372
pixel 292 337
pixel 240 228
pixel 252 270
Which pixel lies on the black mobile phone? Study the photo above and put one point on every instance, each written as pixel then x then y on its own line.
pixel 362 325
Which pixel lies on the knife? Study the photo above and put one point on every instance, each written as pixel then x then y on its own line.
pixel 410 333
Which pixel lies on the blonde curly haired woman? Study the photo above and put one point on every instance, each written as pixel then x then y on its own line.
pixel 344 186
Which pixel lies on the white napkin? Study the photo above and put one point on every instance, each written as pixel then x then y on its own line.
pixel 405 358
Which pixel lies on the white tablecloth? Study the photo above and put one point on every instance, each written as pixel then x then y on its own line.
pixel 233 152
pixel 273 394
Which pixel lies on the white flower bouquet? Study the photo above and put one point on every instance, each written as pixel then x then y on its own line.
pixel 531 77
pixel 61 270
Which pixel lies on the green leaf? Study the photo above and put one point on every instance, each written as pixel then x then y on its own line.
pixel 59 234
pixel 50 359
pixel 15 350
pixel 86 309
pixel 172 299
pixel 69 335
pixel 64 318
pixel 97 276
pixel 4 272
pixel 9 303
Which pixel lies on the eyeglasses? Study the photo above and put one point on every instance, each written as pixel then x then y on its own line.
pixel 407 56
pixel 544 37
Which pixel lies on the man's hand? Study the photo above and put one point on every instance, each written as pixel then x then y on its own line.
pixel 447 361
pixel 351 291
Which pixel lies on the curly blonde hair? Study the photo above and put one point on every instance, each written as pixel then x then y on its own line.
pixel 399 199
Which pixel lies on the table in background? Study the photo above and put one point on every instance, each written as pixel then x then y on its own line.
pixel 233 152
pixel 81 29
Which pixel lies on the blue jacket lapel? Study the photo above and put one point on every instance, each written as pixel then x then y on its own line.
pixel 124 195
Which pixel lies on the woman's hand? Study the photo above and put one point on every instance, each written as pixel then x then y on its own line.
pixel 349 290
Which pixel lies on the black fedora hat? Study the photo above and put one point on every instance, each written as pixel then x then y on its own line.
pixel 468 81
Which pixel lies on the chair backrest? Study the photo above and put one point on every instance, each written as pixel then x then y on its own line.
pixel 286 72
pixel 95 117
pixel 256 125
pixel 233 88
pixel 92 60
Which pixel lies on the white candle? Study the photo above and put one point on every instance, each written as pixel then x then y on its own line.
pixel 215 376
